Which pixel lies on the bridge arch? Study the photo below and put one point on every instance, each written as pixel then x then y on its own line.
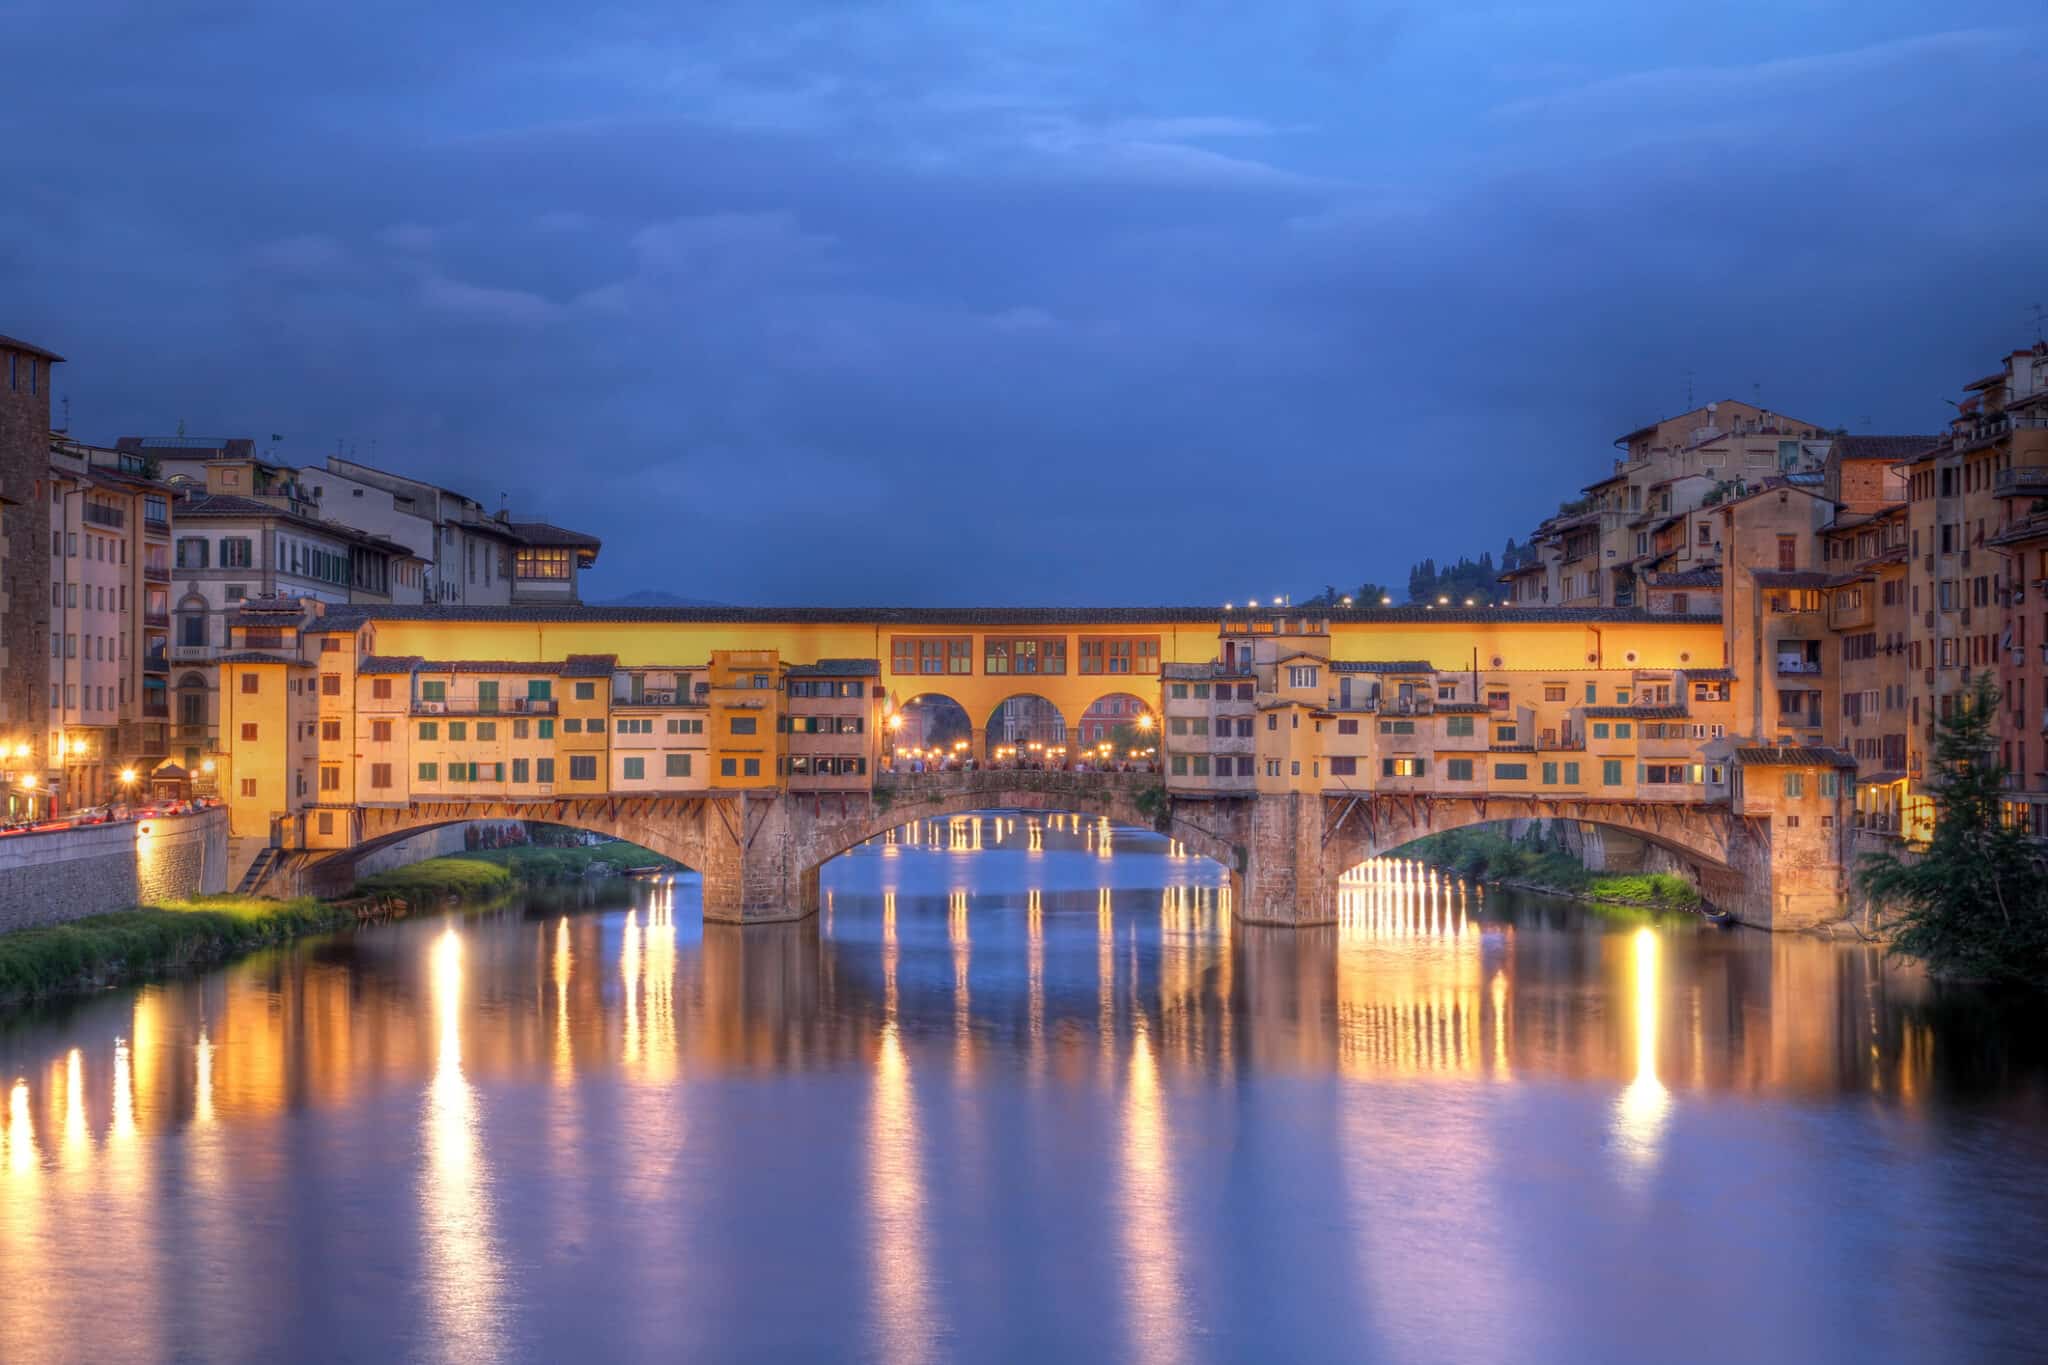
pixel 1022 720
pixel 1117 712
pixel 933 718
pixel 1117 798
pixel 1715 843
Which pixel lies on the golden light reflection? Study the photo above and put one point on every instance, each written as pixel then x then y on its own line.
pixel 123 1126
pixel 658 964
pixel 21 1130
pixel 1409 975
pixel 903 1310
pixel 1034 948
pixel 77 1140
pixel 563 965
pixel 1153 1289
pixel 202 1080
pixel 629 976
pixel 1642 1109
pixel 459 1256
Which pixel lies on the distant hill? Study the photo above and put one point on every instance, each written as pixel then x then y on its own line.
pixel 648 597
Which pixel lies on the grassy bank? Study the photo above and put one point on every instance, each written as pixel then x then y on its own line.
pixel 135 945
pixel 1483 856
pixel 486 872
pixel 126 946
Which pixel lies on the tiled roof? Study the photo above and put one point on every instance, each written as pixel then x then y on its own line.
pixel 1203 672
pixel 1685 578
pixel 1884 776
pixel 575 666
pixel 1710 674
pixel 1636 712
pixel 541 533
pixel 1890 449
pixel 250 656
pixel 837 668
pixel 1382 666
pixel 1794 758
pixel 8 343
pixel 389 663
pixel 202 506
pixel 2033 528
pixel 1461 708
pixel 1789 578
pixel 987 616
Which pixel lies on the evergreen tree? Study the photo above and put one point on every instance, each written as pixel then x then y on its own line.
pixel 1976 903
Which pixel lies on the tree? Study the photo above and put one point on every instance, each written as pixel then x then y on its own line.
pixel 1975 904
pixel 1371 594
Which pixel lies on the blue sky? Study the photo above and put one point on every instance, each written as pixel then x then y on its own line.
pixel 1173 301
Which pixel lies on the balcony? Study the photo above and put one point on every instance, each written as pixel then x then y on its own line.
pixel 155 661
pixel 156 573
pixel 98 514
pixel 2028 481
pixel 473 706
pixel 160 620
pixel 191 654
pixel 1802 667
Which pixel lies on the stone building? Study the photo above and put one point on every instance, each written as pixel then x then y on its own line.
pixel 25 574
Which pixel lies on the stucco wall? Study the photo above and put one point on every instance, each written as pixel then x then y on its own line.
pixel 68 874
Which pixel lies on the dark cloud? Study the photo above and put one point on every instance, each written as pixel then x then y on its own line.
pixel 807 302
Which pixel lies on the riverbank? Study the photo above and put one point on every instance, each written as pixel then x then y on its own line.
pixel 125 946
pixel 149 942
pixel 1483 856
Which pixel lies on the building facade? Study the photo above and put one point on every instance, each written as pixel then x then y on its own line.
pixel 25 760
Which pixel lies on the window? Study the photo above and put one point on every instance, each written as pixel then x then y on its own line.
pixel 740 725
pixel 586 691
pixel 1610 772
pixel 458 729
pixel 433 691
pixel 380 732
pixel 1830 784
pixel 573 725
pixel 1010 654
pixel 380 689
pixel 1550 774
pixel 1344 727
pixel 633 769
pixel 521 770
pixel 330 684
pixel 248 733
pixel 595 725
pixel 1621 729
pixel 192 552
pixel 235 552
pixel 1341 765
pixel 1795 786
pixel 583 767
pixel 1458 727
pixel 538 561
pixel 1571 774
pixel 1387 727
pixel 380 775
pixel 1553 693
pixel 685 725
pixel 1201 765
pixel 1458 769
pixel 330 731
pixel 1302 675
pixel 750 767
pixel 1401 767
pixel 678 765
pixel 1511 772
pixel 546 729
pixel 1504 734
pixel 429 772
pixel 430 729
pixel 1600 729
pixel 544 770
pixel 485 729
pixel 932 654
pixel 330 778
pixel 1788 552
pixel 1119 653
pixel 249 683
pixel 249 786
pixel 1592 694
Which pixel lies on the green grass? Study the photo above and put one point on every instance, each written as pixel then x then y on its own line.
pixel 463 878
pixel 129 945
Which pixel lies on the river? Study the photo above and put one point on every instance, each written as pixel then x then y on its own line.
pixel 1023 1090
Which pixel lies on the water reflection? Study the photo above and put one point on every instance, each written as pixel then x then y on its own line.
pixel 463 1277
pixel 1012 1092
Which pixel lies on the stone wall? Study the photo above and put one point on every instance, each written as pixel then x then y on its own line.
pixel 68 874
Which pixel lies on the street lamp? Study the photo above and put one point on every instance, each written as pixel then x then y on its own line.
pixel 127 777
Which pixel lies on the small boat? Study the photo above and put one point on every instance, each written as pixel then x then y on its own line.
pixel 649 870
pixel 1714 915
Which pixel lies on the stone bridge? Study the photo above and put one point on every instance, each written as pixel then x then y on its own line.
pixel 760 853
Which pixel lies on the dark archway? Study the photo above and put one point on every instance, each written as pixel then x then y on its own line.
pixel 927 729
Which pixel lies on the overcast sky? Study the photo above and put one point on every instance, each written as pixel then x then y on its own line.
pixel 935 303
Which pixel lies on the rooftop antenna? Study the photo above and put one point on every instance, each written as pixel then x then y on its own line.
pixel 67 413
pixel 2039 315
pixel 1688 390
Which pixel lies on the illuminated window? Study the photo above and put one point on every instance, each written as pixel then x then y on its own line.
pixel 541 562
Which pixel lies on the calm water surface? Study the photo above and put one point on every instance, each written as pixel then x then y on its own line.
pixel 1026 1092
